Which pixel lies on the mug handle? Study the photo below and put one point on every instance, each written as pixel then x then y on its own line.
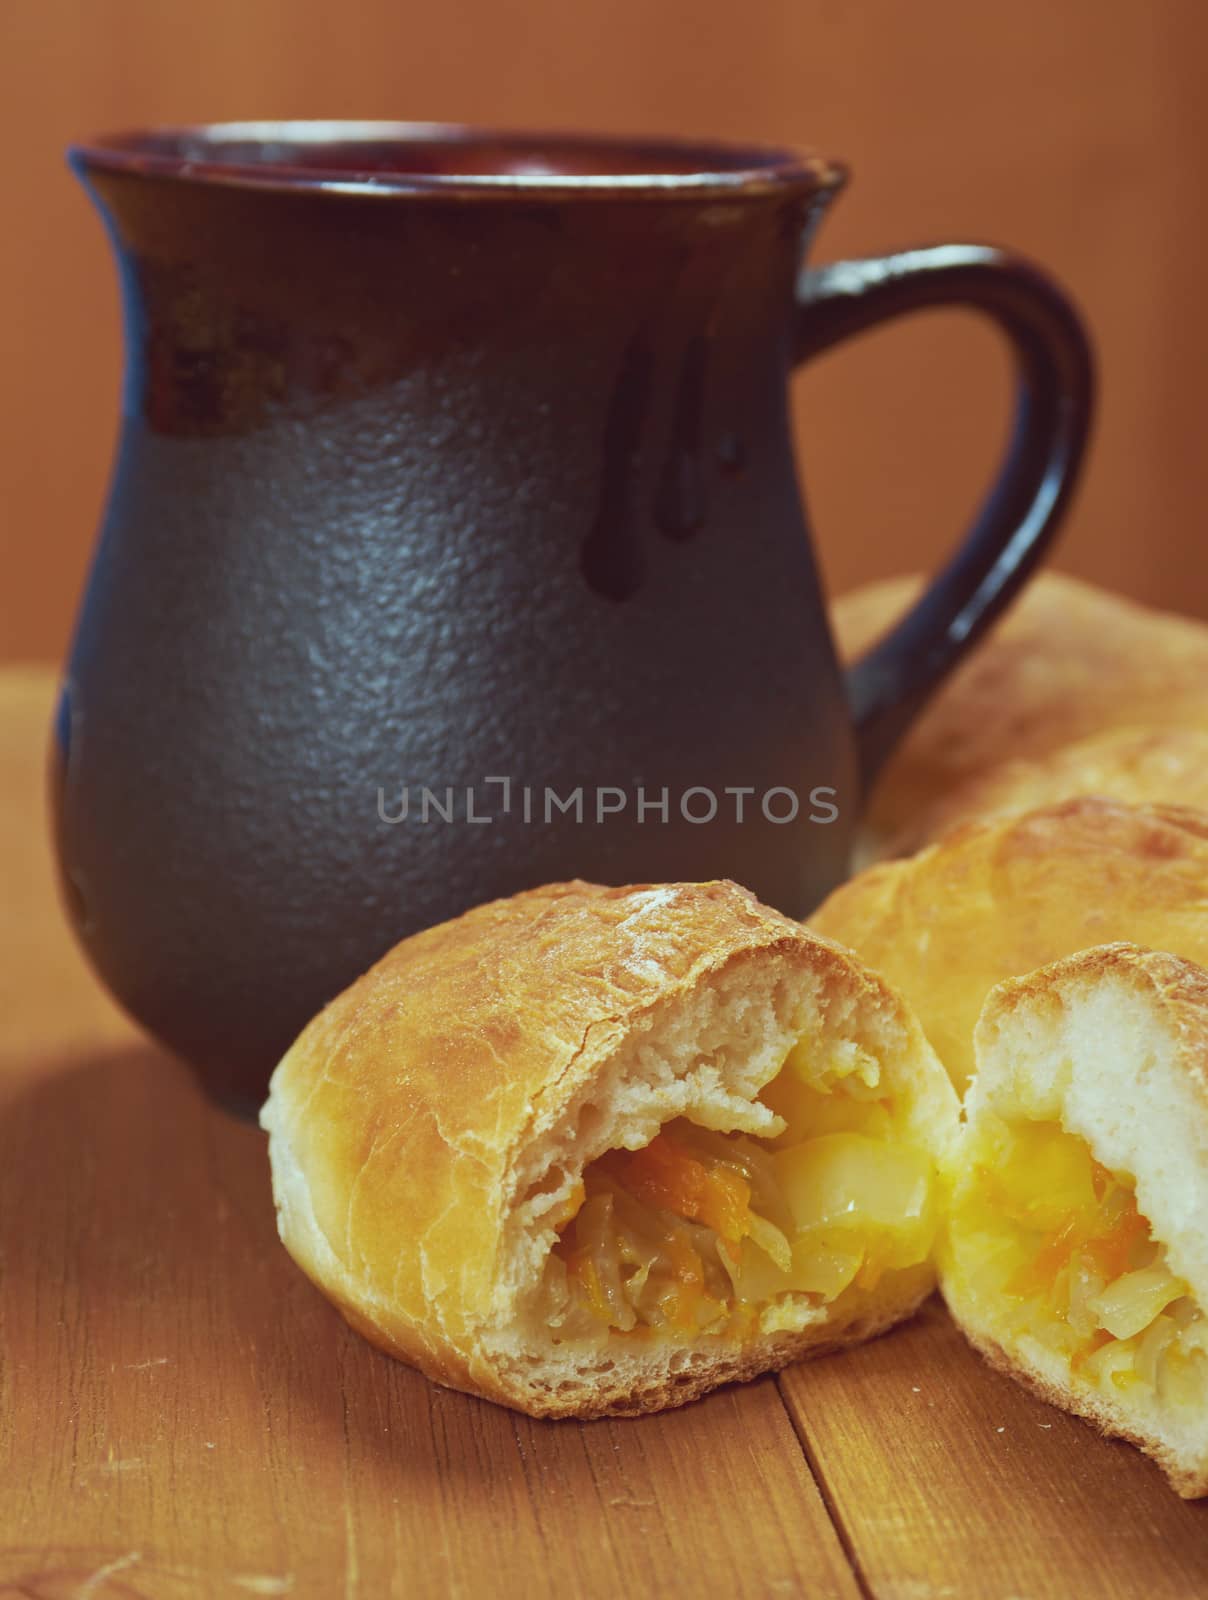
pixel 889 685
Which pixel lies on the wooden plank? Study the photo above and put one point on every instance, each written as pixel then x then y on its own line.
pixel 758 1528
pixel 180 1411
pixel 948 1480
pixel 175 1395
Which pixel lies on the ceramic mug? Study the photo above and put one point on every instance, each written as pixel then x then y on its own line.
pixel 455 545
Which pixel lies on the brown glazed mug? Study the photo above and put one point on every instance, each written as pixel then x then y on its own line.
pixel 455 545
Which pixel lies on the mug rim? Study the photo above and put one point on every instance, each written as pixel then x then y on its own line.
pixel 659 167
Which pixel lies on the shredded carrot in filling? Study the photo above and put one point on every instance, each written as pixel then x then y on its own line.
pixel 1111 1236
pixel 1114 1251
pixel 666 1177
pixel 1062 1236
pixel 664 1174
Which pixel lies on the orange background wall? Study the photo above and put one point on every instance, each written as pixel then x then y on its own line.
pixel 1075 130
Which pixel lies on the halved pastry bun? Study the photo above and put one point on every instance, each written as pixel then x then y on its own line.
pixel 1076 1254
pixel 592 1151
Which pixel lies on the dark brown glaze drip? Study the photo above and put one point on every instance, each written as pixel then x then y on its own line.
pixel 679 506
pixel 612 560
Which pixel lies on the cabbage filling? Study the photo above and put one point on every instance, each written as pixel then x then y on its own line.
pixel 1058 1239
pixel 701 1231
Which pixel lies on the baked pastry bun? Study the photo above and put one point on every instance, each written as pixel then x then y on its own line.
pixel 592 1151
pixel 1076 1255
pixel 1137 765
pixel 1067 661
pixel 994 900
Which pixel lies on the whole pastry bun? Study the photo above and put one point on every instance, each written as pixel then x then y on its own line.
pixel 1067 661
pixel 1076 1255
pixel 1138 765
pixel 592 1151
pixel 994 900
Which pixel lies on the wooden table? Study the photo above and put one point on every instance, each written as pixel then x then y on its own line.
pixel 181 1413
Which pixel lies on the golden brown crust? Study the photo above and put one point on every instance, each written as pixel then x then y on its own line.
pixel 402 1117
pixel 995 900
pixel 1067 662
pixel 1135 765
